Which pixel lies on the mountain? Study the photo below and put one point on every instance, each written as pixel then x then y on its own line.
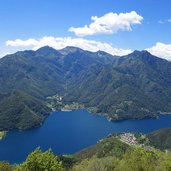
pixel 135 86
pixel 161 138
pixel 110 146
pixel 21 111
pixel 32 72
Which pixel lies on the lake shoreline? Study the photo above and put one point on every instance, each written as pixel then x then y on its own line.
pixel 69 132
pixel 2 134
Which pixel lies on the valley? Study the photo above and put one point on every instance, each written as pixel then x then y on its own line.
pixel 73 94
pixel 135 86
pixel 85 85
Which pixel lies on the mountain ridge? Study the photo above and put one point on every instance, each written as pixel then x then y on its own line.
pixel 134 86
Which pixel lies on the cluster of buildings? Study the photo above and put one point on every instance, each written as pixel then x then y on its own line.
pixel 128 138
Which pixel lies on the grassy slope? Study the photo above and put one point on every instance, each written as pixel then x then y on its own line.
pixel 109 146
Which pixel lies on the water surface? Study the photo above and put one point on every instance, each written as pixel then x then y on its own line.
pixel 68 132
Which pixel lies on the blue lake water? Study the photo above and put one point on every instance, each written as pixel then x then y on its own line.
pixel 68 132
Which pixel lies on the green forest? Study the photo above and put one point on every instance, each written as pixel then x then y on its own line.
pixel 135 86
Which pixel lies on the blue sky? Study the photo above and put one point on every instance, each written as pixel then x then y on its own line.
pixel 44 21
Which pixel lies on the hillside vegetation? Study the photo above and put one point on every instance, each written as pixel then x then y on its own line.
pixel 161 138
pixel 21 111
pixel 108 155
pixel 135 86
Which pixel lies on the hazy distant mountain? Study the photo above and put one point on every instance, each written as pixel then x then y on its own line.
pixel 133 86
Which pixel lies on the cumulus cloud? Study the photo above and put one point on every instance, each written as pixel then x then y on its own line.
pixel 19 42
pixel 61 42
pixel 108 24
pixel 161 50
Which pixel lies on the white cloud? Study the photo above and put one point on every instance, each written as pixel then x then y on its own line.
pixel 164 21
pixel 161 50
pixel 108 24
pixel 161 22
pixel 169 20
pixel 4 54
pixel 61 42
pixel 19 42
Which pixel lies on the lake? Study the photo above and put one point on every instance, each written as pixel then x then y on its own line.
pixel 68 132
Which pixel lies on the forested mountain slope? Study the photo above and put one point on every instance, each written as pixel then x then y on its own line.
pixel 134 86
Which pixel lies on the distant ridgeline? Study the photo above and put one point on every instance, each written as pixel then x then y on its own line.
pixel 134 86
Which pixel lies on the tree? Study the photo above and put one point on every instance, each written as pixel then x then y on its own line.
pixel 139 159
pixel 41 161
pixel 5 166
pixel 97 164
